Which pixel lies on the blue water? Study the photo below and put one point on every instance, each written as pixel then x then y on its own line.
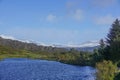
pixel 25 69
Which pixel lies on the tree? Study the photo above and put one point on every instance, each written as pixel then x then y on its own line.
pixel 98 53
pixel 112 51
pixel 102 43
pixel 101 49
pixel 114 34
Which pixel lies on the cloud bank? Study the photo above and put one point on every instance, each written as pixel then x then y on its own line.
pixel 104 3
pixel 105 20
pixel 51 18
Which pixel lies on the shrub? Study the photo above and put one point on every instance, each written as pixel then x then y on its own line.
pixel 105 70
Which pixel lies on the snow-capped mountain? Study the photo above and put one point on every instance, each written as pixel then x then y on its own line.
pixel 7 37
pixel 86 46
pixel 89 44
pixel 13 38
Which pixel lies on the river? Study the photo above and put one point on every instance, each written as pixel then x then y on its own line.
pixel 26 69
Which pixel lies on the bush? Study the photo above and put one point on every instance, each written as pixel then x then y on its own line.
pixel 105 70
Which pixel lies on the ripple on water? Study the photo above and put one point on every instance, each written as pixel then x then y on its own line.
pixel 25 69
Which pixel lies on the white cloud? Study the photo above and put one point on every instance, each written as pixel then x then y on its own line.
pixel 73 11
pixel 78 15
pixel 103 20
pixel 51 18
pixel 104 3
pixel 70 4
pixel 50 35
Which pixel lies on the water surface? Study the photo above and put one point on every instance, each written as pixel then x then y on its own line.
pixel 25 69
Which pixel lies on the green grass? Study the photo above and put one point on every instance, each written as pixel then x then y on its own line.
pixel 75 58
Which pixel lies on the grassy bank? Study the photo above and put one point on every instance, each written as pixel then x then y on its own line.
pixel 69 57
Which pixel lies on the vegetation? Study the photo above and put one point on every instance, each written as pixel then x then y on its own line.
pixel 66 56
pixel 106 70
pixel 111 52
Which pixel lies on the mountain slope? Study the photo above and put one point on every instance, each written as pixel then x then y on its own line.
pixel 23 45
pixel 15 44
pixel 17 49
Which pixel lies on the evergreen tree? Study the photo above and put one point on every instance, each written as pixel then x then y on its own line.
pixel 112 51
pixel 102 47
pixel 98 53
pixel 102 44
pixel 114 34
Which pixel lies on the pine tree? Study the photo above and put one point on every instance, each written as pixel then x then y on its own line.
pixel 114 34
pixel 112 50
pixel 102 43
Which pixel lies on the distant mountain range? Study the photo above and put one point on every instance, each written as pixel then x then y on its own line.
pixel 15 43
pixel 87 46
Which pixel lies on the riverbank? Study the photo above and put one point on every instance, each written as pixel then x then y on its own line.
pixel 69 57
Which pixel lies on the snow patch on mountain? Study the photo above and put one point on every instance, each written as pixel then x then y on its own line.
pixel 89 44
pixel 85 44
pixel 7 37
pixel 13 38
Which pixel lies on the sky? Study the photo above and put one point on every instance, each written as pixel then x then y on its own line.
pixel 58 21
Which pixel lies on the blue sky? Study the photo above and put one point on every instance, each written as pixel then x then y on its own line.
pixel 58 21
